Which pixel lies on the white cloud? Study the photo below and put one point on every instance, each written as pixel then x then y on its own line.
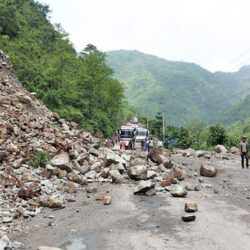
pixel 211 33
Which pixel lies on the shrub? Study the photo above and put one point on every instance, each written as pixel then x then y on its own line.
pixel 39 159
pixel 216 135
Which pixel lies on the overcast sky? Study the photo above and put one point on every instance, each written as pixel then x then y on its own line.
pixel 212 33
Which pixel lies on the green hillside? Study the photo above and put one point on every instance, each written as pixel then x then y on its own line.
pixel 80 89
pixel 183 91
pixel 240 111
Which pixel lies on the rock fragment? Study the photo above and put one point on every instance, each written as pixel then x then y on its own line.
pixel 208 171
pixel 191 207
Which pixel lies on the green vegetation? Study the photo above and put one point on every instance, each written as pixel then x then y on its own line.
pixel 79 88
pixel 39 159
pixel 238 112
pixel 183 91
pixel 199 135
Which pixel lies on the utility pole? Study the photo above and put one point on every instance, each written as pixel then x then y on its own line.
pixel 163 127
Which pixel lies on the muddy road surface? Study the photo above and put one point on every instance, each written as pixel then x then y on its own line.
pixel 142 222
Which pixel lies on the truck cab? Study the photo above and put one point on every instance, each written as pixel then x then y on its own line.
pixel 141 135
pixel 127 134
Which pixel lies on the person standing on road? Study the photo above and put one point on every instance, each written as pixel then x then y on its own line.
pixel 146 145
pixel 150 144
pixel 166 143
pixel 244 152
pixel 159 143
pixel 142 144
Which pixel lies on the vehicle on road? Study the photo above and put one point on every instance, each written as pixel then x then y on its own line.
pixel 127 134
pixel 141 135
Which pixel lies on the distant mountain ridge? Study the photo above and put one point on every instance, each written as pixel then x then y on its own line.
pixel 183 91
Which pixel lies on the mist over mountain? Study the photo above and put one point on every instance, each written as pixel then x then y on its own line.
pixel 182 91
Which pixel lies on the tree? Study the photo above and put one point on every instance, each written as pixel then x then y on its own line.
pixel 217 135
pixel 195 130
pixel 80 89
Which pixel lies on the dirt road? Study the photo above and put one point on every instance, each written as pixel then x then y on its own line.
pixel 140 222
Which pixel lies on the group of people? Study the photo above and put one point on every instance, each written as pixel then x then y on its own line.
pixel 109 143
pixel 160 144
pixel 147 144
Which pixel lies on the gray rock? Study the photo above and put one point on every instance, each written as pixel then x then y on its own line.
pixel 137 161
pixel 220 149
pixel 138 172
pixel 126 157
pixel 96 167
pixel 191 207
pixel 234 150
pixel 161 156
pixel 151 192
pixel 175 172
pixel 144 186
pixel 120 167
pixel 208 171
pixel 188 218
pixel 116 176
pixel 91 175
pixel 105 173
pixel 61 161
pixel 207 185
pixel 5 242
pixel 151 174
pixel 178 191
pixel 190 187
pixel 95 152
pixel 200 153
pixel 112 158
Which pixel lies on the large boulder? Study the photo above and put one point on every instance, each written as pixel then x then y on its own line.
pixel 96 152
pixel 173 173
pixel 178 191
pixel 4 242
pixel 97 166
pixel 191 207
pixel 188 152
pixel 234 150
pixel 61 161
pixel 116 176
pixel 220 149
pixel 208 171
pixel 144 186
pixel 112 158
pixel 200 153
pixel 138 172
pixel 137 161
pixel 161 156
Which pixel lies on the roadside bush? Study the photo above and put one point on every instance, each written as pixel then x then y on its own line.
pixel 216 135
pixel 39 159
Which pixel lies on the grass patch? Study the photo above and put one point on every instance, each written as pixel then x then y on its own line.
pixel 39 159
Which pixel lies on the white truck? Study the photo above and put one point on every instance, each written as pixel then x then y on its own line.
pixel 141 135
pixel 127 134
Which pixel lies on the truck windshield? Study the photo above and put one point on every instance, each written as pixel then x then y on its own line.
pixel 141 133
pixel 127 134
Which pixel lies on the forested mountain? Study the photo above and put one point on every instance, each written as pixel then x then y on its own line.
pixel 80 89
pixel 240 111
pixel 183 91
